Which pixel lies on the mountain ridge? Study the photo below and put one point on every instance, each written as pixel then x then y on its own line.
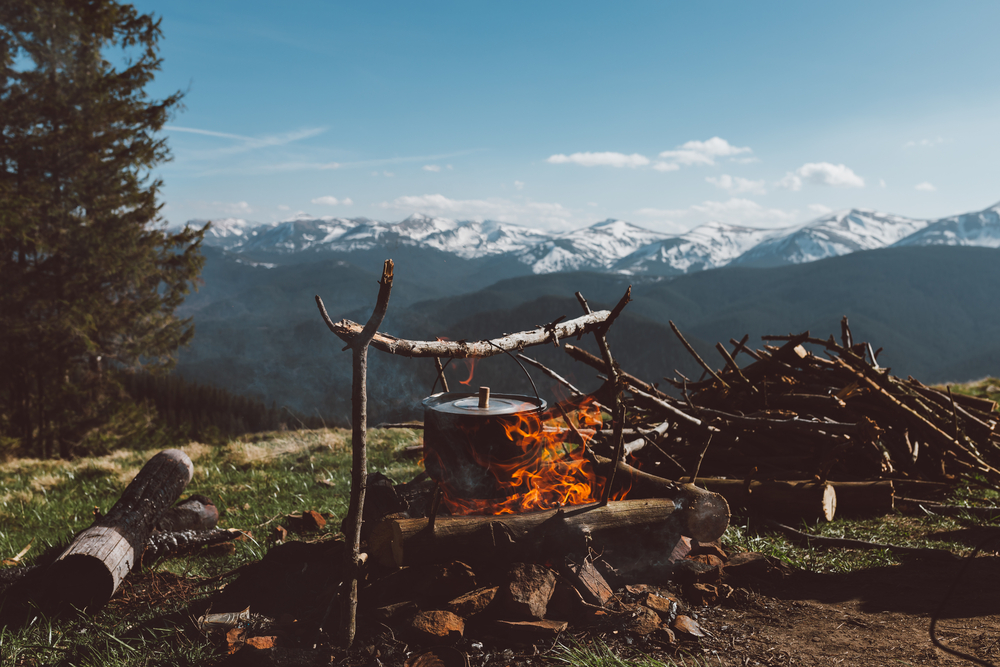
pixel 610 246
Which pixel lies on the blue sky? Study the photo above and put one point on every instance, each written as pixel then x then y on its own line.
pixel 560 114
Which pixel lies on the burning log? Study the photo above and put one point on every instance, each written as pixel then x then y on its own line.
pixel 707 512
pixel 90 570
pixel 474 538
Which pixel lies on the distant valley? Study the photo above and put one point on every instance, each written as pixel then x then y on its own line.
pixel 928 292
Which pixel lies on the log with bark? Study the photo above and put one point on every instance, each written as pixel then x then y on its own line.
pixel 547 534
pixel 90 570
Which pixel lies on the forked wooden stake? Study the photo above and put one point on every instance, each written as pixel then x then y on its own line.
pixel 359 445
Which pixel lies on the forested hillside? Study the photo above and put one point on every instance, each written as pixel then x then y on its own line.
pixel 934 310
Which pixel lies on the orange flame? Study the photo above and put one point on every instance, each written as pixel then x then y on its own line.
pixel 549 471
pixel 471 365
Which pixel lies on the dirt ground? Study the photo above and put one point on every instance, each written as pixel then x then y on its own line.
pixel 869 618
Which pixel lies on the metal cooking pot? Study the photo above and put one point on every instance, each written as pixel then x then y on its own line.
pixel 466 444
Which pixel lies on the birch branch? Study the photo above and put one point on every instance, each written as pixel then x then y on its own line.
pixel 348 330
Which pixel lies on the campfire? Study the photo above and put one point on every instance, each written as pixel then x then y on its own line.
pixel 505 453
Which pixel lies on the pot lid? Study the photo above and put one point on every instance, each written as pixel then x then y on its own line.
pixel 468 404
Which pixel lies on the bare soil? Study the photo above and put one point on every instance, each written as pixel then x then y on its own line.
pixel 869 618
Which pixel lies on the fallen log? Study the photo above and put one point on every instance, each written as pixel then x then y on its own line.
pixel 850 498
pixel 792 501
pixel 473 538
pixel 90 570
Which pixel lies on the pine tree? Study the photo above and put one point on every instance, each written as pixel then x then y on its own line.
pixel 90 277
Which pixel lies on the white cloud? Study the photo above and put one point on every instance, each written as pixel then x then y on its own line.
pixel 881 182
pixel 737 184
pixel 923 143
pixel 925 187
pixel 736 211
pixel 237 208
pixel 282 207
pixel 503 210
pixel 518 185
pixel 659 165
pixel 790 182
pixel 607 159
pixel 702 152
pixel 331 201
pixel 820 209
pixel 431 167
pixel 821 173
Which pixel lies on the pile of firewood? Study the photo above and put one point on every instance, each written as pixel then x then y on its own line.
pixel 806 409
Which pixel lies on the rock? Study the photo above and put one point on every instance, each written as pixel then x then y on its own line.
pixel 260 642
pixel 426 584
pixel 710 548
pixel 689 571
pixel 701 594
pixel 708 559
pixel 589 582
pixel 642 620
pixel 470 604
pixel 688 626
pixel 439 656
pixel 437 626
pixel 527 591
pixel 196 512
pixel 665 634
pixel 666 607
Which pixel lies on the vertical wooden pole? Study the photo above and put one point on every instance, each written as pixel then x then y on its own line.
pixel 359 445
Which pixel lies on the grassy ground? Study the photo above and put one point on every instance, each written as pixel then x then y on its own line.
pixel 253 481
pixel 256 480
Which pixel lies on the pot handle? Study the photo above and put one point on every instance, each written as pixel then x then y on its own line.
pixel 507 352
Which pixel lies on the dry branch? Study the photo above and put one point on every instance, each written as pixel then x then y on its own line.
pixel 348 330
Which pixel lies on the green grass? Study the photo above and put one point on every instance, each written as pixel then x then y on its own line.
pixel 988 387
pixel 894 529
pixel 255 481
pixel 599 654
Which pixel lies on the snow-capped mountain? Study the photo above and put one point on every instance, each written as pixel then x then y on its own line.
pixel 596 247
pixel 708 246
pixel 469 239
pixel 612 245
pixel 981 228
pixel 836 234
pixel 229 233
